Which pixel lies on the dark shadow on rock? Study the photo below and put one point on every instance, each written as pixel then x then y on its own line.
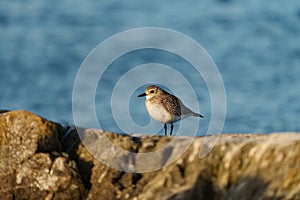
pixel 71 143
pixel 203 189
pixel 247 188
pixel 3 111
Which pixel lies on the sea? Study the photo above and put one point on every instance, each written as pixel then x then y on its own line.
pixel 253 45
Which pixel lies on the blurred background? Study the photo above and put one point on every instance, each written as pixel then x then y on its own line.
pixel 255 44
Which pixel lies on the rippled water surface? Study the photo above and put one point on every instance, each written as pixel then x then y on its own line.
pixel 255 45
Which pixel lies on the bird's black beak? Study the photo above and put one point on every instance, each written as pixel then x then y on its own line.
pixel 142 95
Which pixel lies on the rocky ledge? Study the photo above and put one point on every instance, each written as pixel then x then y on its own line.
pixel 40 159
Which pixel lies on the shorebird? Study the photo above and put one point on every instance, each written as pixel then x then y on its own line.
pixel 165 107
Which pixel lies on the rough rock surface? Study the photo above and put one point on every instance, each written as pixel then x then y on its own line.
pixel 43 160
pixel 32 164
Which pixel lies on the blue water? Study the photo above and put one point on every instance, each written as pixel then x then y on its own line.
pixel 255 44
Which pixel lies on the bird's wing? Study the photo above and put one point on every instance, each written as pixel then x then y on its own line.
pixel 173 104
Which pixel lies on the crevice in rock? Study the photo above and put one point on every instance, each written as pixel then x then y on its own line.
pixel 181 170
pixel 70 145
pixel 116 180
pixel 136 177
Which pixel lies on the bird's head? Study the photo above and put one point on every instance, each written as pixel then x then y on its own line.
pixel 152 91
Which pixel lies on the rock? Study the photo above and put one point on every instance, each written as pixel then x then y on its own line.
pixel 40 159
pixel 32 164
pixel 240 166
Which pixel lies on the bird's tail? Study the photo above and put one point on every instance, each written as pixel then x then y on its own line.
pixel 189 112
pixel 198 115
pixel 192 113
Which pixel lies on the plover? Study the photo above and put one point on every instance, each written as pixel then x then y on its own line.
pixel 165 107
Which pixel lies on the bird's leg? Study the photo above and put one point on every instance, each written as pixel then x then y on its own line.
pixel 171 128
pixel 165 126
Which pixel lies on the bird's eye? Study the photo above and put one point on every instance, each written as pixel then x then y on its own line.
pixel 151 91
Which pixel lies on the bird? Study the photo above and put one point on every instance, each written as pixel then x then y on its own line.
pixel 165 107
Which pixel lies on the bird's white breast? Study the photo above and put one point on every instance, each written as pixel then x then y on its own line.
pixel 159 113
